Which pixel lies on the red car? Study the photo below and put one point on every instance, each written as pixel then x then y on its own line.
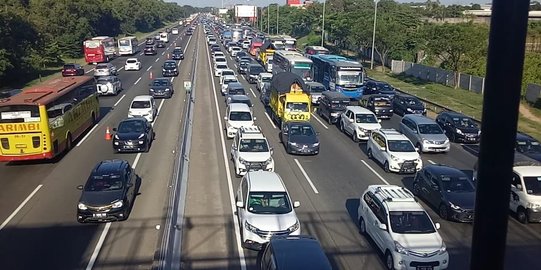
pixel 73 70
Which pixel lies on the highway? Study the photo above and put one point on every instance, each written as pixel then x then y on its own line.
pixel 327 185
pixel 39 199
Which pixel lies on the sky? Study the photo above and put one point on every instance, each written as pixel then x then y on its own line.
pixel 218 3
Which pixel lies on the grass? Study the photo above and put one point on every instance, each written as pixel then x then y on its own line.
pixel 466 102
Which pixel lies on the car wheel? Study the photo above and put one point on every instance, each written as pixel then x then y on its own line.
pixel 418 145
pixel 386 167
pixel 354 137
pixel 362 226
pixel 522 216
pixel 452 138
pixel 443 212
pixel 69 142
pixel 288 149
pixel 416 189
pixel 342 127
pixel 369 153
pixel 389 263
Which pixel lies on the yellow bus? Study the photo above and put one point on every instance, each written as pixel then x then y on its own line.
pixel 44 120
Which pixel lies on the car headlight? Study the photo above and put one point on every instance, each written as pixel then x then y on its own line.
pixel 243 161
pixel 268 161
pixel 453 206
pixel 409 110
pixel 250 227
pixel 117 204
pixel 294 227
pixel 426 141
pixel 315 144
pixel 458 131
pixel 163 70
pixel 130 113
pixel 292 143
pixel 175 70
pixel 167 89
pixel 363 130
pixel 335 114
pixel 82 206
pixel 141 136
pixel 394 158
pixel 141 142
pixel 533 205
pixel 151 90
pixel 400 249
pixel 446 141
pixel 479 132
pixel 442 249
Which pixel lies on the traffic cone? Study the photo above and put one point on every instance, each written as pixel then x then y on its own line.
pixel 151 74
pixel 108 135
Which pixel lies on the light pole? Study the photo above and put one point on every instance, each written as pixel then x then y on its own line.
pixel 323 25
pixel 277 16
pixel 268 19
pixel 374 34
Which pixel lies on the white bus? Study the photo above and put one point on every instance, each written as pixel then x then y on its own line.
pixel 128 46
pixel 291 61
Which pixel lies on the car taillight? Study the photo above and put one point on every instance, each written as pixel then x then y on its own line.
pixel 35 141
pixel 5 143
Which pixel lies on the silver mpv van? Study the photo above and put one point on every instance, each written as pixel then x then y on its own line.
pixel 424 133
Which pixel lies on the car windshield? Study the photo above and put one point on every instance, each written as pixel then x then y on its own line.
pixel 101 66
pixel 149 48
pixel 219 59
pixel 400 146
pixel 350 78
pixel 69 66
pixel 140 104
pixel 266 79
pixel 464 122
pixel 104 81
pixel 253 145
pixel 365 118
pixel 229 80
pixel 268 203
pixel 221 67
pixel 411 222
pixel 131 127
pixel 256 69
pixel 104 183
pixel 131 61
pixel 240 116
pixel 383 87
pixel 169 65
pixel 412 102
pixel 301 130
pixel 236 91
pixel 317 89
pixel 533 184
pixel 380 102
pixel 528 146
pixel 430 129
pixel 339 105
pixel 179 51
pixel 227 72
pixel 297 107
pixel 456 184
pixel 160 82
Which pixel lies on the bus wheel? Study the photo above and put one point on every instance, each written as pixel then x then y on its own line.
pixel 94 119
pixel 68 142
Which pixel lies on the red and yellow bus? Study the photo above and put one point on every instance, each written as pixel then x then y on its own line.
pixel 44 120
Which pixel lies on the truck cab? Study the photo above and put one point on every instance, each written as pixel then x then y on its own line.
pixel 289 100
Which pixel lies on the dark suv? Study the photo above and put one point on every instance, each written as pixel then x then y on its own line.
pixel 377 87
pixel 109 192
pixel 177 54
pixel 405 104
pixel 161 87
pixel 150 41
pixel 72 70
pixel 379 104
pixel 253 71
pixel 170 68
pixel 332 105
pixel 151 50
pixel 278 254
pixel 458 127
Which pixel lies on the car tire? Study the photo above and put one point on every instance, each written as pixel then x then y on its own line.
pixel 389 263
pixel 416 189
pixel 452 137
pixel 362 226
pixel 369 153
pixel 442 211
pixel 342 127
pixel 386 167
pixel 418 145
pixel 354 137
pixel 522 216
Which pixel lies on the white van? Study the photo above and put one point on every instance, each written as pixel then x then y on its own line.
pixel 143 106
pixel 164 37
pixel 526 193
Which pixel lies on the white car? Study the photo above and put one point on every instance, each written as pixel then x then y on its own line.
pixel 264 209
pixel 237 116
pixel 218 69
pixel 525 196
pixel 246 44
pixel 227 71
pixel 234 50
pixel 105 69
pixel 250 150
pixel 263 78
pixel 358 122
pixel 174 31
pixel 143 106
pixel 108 85
pixel 401 229
pixel 227 79
pixel 132 64
pixel 220 60
pixel 394 151
pixel 216 54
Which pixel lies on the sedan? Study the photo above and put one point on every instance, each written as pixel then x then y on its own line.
pixel 299 138
pixel 528 146
pixel 447 189
pixel 458 127
pixel 132 64
pixel 133 135
pixel 72 70
pixel 161 87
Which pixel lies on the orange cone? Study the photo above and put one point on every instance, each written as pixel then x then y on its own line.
pixel 108 135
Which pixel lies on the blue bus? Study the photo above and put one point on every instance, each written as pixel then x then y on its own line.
pixel 338 73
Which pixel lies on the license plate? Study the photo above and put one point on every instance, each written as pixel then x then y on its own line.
pixel 425 267
pixel 99 215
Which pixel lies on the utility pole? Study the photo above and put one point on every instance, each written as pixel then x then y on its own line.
pixel 277 16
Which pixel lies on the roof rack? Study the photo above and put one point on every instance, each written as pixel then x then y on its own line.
pixel 390 131
pixel 395 194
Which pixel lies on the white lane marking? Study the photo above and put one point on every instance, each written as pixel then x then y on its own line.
pixel 163 52
pixel 142 53
pixel 137 81
pixel 252 92
pixel 86 136
pixel 306 176
pixel 119 100
pixel 235 65
pixel 172 78
pixel 149 68
pixel 158 112
pixel 5 223
pixel 431 162
pixel 321 122
pixel 97 249
pixel 136 160
pixel 157 59
pixel 270 120
pixel 89 71
pixel 376 173
pixel 121 68
pixel 242 260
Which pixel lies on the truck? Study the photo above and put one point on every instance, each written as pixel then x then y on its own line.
pixel 265 51
pixel 289 99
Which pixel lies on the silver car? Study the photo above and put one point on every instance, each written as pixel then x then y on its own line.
pixel 424 133
pixel 105 69
pixel 108 85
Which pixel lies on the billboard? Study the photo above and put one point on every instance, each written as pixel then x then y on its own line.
pixel 222 11
pixel 245 11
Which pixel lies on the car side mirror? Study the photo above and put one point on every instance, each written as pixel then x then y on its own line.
pixel 383 148
pixel 351 120
pixel 296 204
pixel 255 118
pixel 417 149
pixel 318 133
pixel 383 227
pixel 225 117
pixel 240 204
pixel 149 84
pixel 80 187
pixel 234 147
pixel 519 187
pixel 438 226
pixel 414 131
pixel 129 185
pixel 379 120
pixel 114 129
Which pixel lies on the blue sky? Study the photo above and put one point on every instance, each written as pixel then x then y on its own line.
pixel 218 3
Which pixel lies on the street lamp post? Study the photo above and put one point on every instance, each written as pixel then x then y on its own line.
pixel 277 16
pixel 323 25
pixel 374 34
pixel 268 19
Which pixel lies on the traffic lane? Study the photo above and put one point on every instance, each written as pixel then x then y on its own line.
pixel 53 211
pixel 143 230
pixel 209 239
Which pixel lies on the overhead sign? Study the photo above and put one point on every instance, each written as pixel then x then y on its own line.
pixel 222 11
pixel 242 11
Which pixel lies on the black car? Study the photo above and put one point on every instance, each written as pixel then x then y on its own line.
pixel 458 127
pixel 168 30
pixel 189 32
pixel 253 71
pixel 72 70
pixel 160 44
pixel 447 189
pixel 150 41
pixel 379 104
pixel 161 87
pixel 528 146
pixel 332 105
pixel 299 138
pixel 177 54
pixel 240 99
pixel 376 87
pixel 109 192
pixel 150 50
pixel 405 104
pixel 243 65
pixel 240 55
pixel 308 253
pixel 265 94
pixel 169 68
pixel 133 135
